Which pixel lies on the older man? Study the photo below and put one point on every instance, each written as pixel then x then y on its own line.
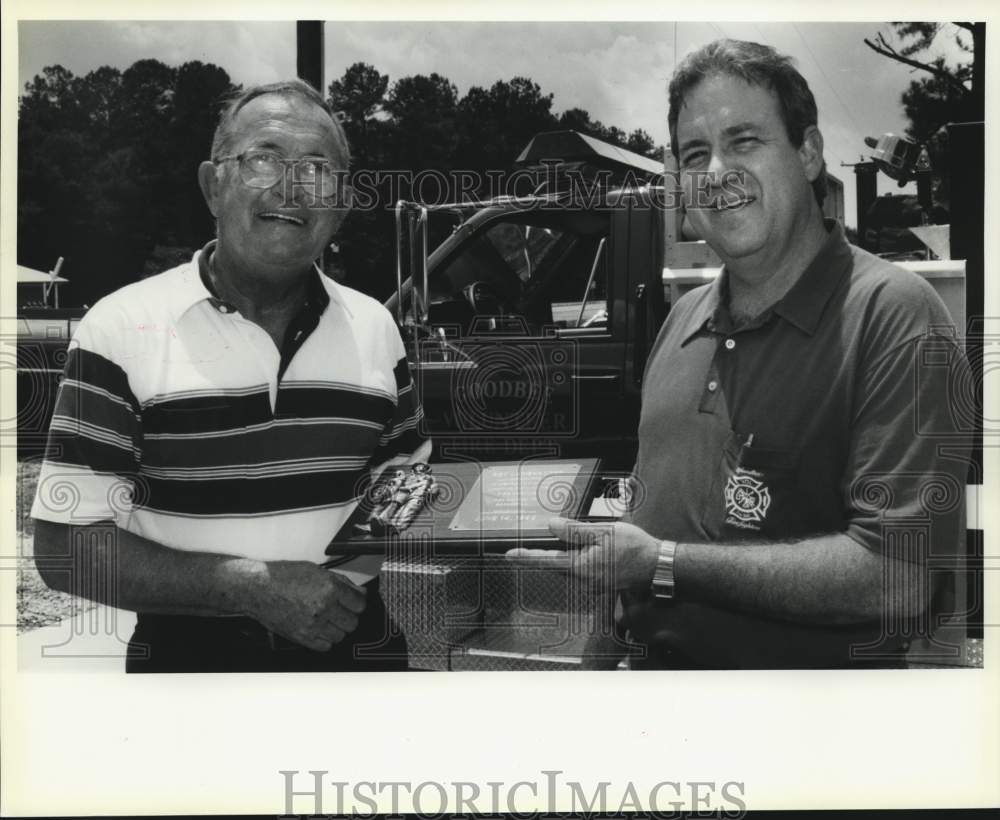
pixel 217 421
pixel 794 475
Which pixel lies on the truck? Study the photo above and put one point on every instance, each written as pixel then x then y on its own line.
pixel 529 326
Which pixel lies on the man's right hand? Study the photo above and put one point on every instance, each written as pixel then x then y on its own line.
pixel 306 604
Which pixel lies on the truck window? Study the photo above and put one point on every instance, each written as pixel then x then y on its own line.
pixel 535 270
pixel 523 247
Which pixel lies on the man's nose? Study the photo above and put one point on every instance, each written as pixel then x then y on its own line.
pixel 718 165
pixel 298 188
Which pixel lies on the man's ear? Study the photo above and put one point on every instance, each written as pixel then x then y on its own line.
pixel 208 181
pixel 811 152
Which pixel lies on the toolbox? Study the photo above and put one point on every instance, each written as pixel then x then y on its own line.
pixel 461 604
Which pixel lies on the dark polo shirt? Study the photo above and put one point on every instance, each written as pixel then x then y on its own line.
pixel 828 414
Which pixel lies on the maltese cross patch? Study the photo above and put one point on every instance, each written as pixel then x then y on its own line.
pixel 747 499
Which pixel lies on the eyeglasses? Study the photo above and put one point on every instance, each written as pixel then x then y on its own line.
pixel 262 169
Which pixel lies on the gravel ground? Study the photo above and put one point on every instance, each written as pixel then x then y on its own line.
pixel 37 605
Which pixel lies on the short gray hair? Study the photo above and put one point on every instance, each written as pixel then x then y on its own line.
pixel 224 131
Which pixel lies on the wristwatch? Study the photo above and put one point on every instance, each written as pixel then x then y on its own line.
pixel 663 575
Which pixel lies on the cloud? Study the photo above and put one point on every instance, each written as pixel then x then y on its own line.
pixel 250 51
pixel 616 71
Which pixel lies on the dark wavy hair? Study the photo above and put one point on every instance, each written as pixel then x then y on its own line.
pixel 756 64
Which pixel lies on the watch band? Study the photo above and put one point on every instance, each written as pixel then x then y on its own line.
pixel 663 575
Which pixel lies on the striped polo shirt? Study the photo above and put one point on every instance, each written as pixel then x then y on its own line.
pixel 181 421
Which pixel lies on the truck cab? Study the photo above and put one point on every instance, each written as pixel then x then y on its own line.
pixel 528 327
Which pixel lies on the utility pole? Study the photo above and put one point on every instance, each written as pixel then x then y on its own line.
pixel 309 52
pixel 866 190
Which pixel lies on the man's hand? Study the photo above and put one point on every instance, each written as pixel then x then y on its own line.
pixel 622 556
pixel 309 605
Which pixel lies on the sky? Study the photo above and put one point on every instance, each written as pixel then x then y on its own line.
pixel 618 71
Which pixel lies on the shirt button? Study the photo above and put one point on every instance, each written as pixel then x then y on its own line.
pixel 713 386
pixel 730 344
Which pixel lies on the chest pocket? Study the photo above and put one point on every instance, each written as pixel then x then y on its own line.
pixel 756 492
pixel 207 414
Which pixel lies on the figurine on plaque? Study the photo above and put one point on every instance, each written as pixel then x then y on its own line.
pixel 386 498
pixel 400 500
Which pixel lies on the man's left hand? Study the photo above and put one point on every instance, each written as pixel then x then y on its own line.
pixel 621 554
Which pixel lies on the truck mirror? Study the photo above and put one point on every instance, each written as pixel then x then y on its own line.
pixel 411 261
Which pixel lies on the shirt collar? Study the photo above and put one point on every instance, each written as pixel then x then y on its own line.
pixel 196 286
pixel 803 304
pixel 709 309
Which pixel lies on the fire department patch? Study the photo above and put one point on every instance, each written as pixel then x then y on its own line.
pixel 747 499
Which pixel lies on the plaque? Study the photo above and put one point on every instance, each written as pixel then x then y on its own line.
pixel 478 508
pixel 520 496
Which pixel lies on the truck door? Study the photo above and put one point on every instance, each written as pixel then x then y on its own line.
pixel 526 344
pixel 639 224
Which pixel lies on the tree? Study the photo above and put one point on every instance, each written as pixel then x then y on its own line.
pixel 122 229
pixel 53 157
pixel 366 255
pixel 965 82
pixel 495 125
pixel 358 96
pixel 949 94
pixel 146 96
pixel 640 142
pixel 423 111
pixel 200 90
pixel 50 100
pixel 99 96
pixel 107 168
pixel 107 162
pixel 359 93
pixel 54 202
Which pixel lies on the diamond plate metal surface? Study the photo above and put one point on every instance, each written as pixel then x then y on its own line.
pixel 486 613
pixel 435 602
